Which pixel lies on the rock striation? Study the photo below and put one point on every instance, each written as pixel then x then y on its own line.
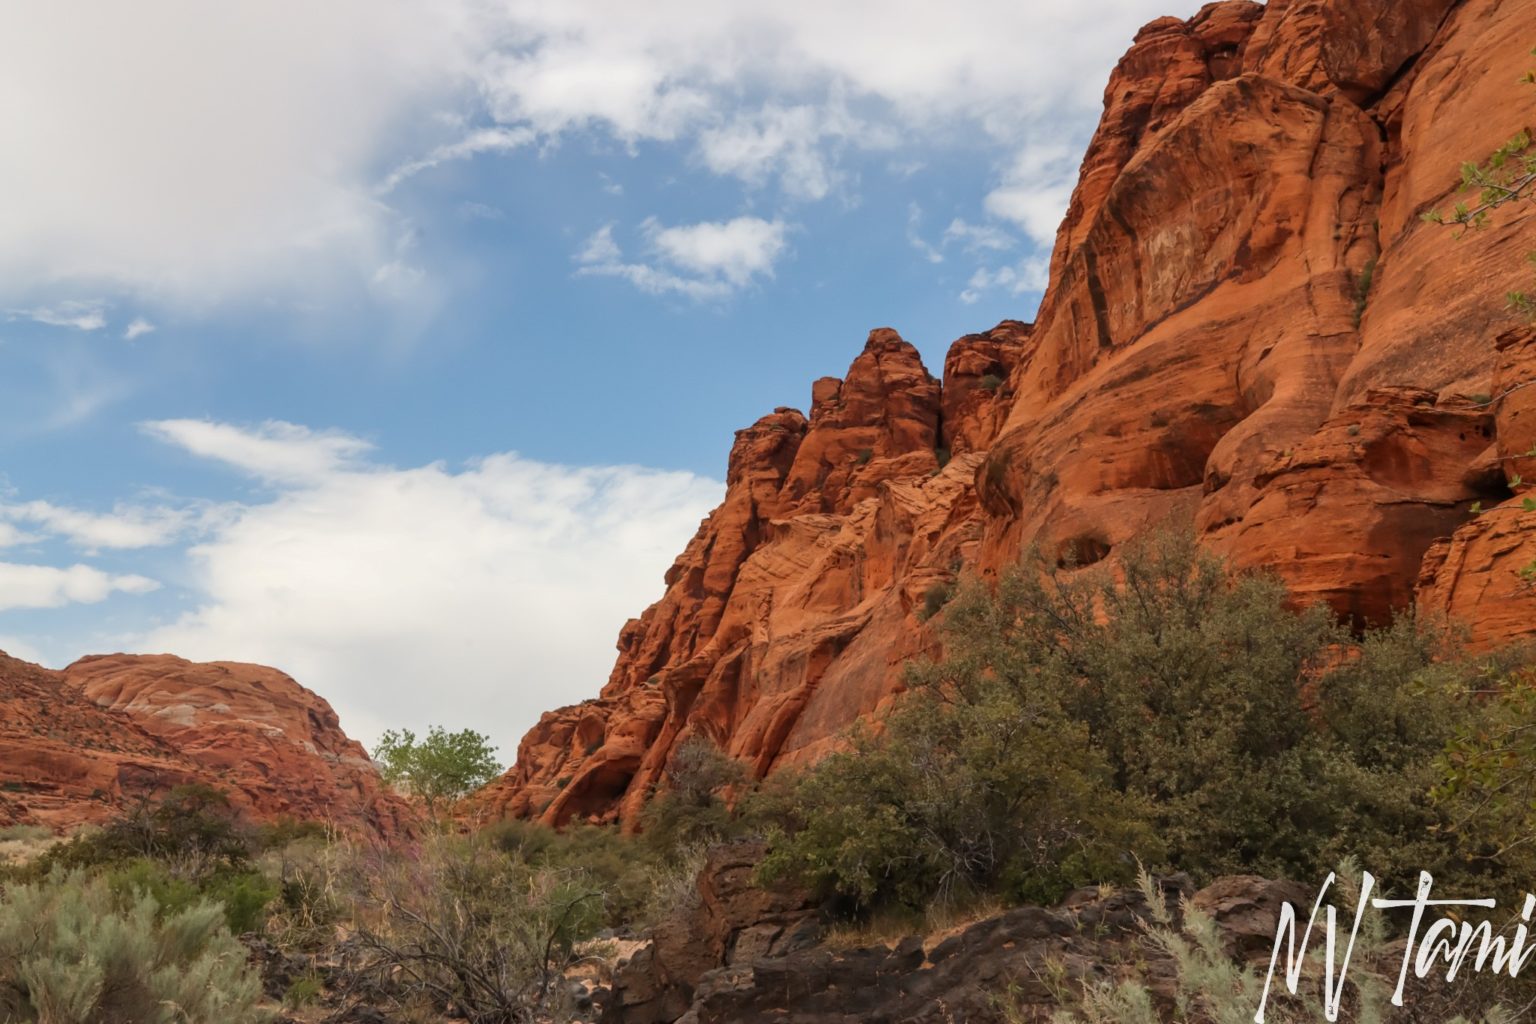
pixel 79 745
pixel 1248 326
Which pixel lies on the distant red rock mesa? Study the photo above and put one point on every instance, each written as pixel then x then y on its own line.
pixel 1247 325
pixel 79 746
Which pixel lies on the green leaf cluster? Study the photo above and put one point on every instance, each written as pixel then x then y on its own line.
pixel 441 767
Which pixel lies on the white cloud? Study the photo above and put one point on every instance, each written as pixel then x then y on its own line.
pixel 931 252
pixel 276 452
pixel 708 260
pixel 191 152
pixel 125 527
pixel 137 329
pixel 11 537
pixel 972 238
pixel 1027 275
pixel 978 237
pixel 564 84
pixel 796 143
pixel 737 250
pixel 600 248
pixel 1036 188
pixel 81 315
pixel 46 586
pixel 478 597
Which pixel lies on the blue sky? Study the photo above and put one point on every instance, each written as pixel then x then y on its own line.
pixel 399 344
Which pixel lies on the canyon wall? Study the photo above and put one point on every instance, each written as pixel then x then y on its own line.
pixel 1248 326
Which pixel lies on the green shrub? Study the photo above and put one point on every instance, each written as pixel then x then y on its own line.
pixel 991 382
pixel 476 932
pixel 287 831
pixel 315 884
pixel 692 807
pixel 1488 772
pixel 188 848
pixel 193 825
pixel 73 952
pixel 303 990
pixel 989 790
pixel 243 896
pixel 1174 710
pixel 618 867
pixel 934 600
pixel 639 877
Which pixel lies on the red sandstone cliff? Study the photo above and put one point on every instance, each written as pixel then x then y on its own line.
pixel 1247 324
pixel 79 745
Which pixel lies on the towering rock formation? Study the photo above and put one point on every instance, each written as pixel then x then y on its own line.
pixel 1248 324
pixel 80 745
pixel 788 616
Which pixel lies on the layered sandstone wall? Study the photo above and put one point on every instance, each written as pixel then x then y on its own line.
pixel 1248 324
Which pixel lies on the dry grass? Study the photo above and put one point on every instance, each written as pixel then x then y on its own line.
pixel 936 924
pixel 20 844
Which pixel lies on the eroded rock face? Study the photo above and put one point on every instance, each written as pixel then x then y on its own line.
pixel 64 761
pixel 790 613
pixel 1248 327
pixel 77 745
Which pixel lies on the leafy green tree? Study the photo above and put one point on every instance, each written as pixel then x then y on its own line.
pixel 443 766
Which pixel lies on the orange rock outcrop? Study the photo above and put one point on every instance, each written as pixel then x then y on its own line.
pixel 79 745
pixel 1248 324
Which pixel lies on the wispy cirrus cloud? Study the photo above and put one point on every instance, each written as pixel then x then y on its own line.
pixel 484 140
pixel 82 315
pixel 275 451
pixel 128 526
